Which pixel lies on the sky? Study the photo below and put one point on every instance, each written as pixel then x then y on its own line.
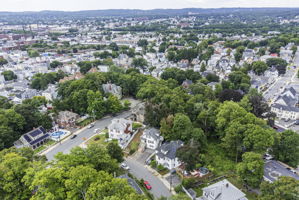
pixel 74 5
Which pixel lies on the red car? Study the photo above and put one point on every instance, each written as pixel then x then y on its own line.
pixel 147 185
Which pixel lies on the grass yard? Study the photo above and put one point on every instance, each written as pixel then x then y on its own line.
pixel 134 144
pixel 44 146
pixel 98 139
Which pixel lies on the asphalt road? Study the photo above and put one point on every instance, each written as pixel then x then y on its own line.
pixel 140 172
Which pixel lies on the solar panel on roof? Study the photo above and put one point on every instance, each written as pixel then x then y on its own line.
pixel 39 139
pixel 35 132
pixel 42 129
pixel 27 138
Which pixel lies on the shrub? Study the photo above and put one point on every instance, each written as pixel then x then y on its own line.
pixel 136 125
pixel 160 168
pixel 178 189
pixel 189 182
pixel 153 164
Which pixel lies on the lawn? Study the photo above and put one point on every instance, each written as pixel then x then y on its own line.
pixel 98 139
pixel 44 146
pixel 134 144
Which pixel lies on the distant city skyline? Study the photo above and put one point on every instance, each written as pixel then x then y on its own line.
pixel 76 5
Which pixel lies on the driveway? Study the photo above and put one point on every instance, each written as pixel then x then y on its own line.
pixel 141 157
pixel 140 172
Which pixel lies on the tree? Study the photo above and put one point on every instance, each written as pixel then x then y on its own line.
pixel 33 54
pixel 142 43
pixel 49 183
pixel 12 170
pixel 107 187
pixel 140 63
pixel 294 49
pixel 94 156
pixel 251 169
pixel 115 151
pixel 230 95
pixel 203 67
pixel 113 104
pixel 261 52
pixel 5 103
pixel 9 75
pixel 285 188
pixel 166 127
pixel 285 147
pixel 258 139
pixel 3 61
pixel 189 155
pixel 55 64
pixel 96 105
pixel 240 80
pixel 259 67
pixel 79 180
pixel 182 127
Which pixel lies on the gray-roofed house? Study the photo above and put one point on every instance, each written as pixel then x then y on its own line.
pixel 187 83
pixel 138 112
pixel 151 138
pixel 166 154
pixel 120 130
pixel 33 139
pixel 286 106
pixel 112 89
pixel 132 183
pixel 222 190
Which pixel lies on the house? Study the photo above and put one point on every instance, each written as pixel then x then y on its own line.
pixel 166 154
pixel 120 130
pixel 286 106
pixel 222 190
pixel 151 138
pixel 187 83
pixel 138 113
pixel 112 89
pixel 33 139
pixel 67 119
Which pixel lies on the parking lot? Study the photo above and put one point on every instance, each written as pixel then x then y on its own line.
pixel 273 169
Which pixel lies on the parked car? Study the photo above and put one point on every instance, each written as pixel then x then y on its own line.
pixel 73 136
pixel 125 166
pixel 97 130
pixel 90 125
pixel 147 185
pixel 268 157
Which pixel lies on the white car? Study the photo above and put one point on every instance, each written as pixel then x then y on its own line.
pixel 268 157
pixel 125 166
pixel 90 125
pixel 97 130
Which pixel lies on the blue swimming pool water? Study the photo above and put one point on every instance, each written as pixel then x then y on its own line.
pixel 57 133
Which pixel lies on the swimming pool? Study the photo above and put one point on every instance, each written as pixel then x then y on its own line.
pixel 58 133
